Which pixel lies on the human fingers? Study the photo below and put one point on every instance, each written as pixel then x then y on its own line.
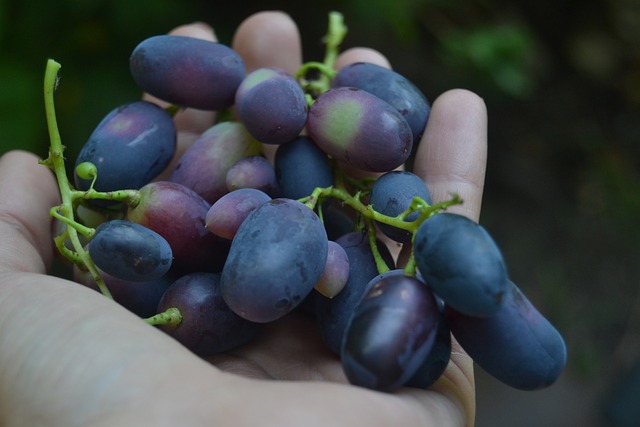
pixel 361 54
pixel 27 192
pixel 269 39
pixel 452 155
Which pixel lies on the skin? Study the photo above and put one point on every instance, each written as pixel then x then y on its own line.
pixel 71 357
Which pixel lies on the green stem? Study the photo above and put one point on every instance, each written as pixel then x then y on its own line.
pixel 381 265
pixel 335 35
pixel 87 232
pixel 315 77
pixel 410 268
pixel 170 317
pixel 55 161
pixel 370 216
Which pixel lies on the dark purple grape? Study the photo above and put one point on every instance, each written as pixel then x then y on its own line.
pixel 204 166
pixel 390 333
pixel 187 71
pixel 333 313
pixel 392 194
pixel 272 105
pixel 360 129
pixel 132 145
pixel 229 211
pixel 301 167
pixel 336 271
pixel 390 86
pixel 178 214
pixel 141 298
pixel 276 257
pixel 253 172
pixel 130 251
pixel 438 358
pixel 517 345
pixel 208 325
pixel 461 262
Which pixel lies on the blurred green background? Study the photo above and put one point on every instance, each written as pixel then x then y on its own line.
pixel 561 80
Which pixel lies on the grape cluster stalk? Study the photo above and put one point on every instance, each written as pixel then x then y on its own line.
pixel 231 241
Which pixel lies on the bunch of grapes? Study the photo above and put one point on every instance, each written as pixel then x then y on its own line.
pixel 228 240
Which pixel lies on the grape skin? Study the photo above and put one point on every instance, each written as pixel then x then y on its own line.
pixel 272 105
pixel 208 325
pixel 187 71
pixel 228 212
pixel 390 333
pixel 333 314
pixel 517 345
pixel 336 271
pixel 392 194
pixel 204 166
pixel 132 145
pixel 461 263
pixel 300 167
pixel 438 358
pixel 276 257
pixel 360 129
pixel 253 172
pixel 130 251
pixel 178 214
pixel 390 86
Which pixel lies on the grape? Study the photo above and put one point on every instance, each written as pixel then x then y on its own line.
pixel 438 358
pixel 132 145
pixel 360 129
pixel 130 251
pixel 301 167
pixel 390 333
pixel 272 105
pixel 333 313
pixel 337 221
pixel 461 263
pixel 208 325
pixel 276 257
pixel 229 211
pixel 392 194
pixel 336 271
pixel 204 166
pixel 390 86
pixel 178 214
pixel 141 298
pixel 187 71
pixel 253 172
pixel 517 345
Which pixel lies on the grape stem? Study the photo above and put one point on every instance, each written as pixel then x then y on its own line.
pixel 371 216
pixel 69 196
pixel 170 317
pixel 315 77
pixel 368 211
pixel 55 161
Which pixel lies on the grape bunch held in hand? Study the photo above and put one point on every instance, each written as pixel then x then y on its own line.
pixel 227 238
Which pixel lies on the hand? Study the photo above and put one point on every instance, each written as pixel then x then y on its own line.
pixel 70 357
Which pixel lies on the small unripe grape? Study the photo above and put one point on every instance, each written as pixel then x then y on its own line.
pixel 86 170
